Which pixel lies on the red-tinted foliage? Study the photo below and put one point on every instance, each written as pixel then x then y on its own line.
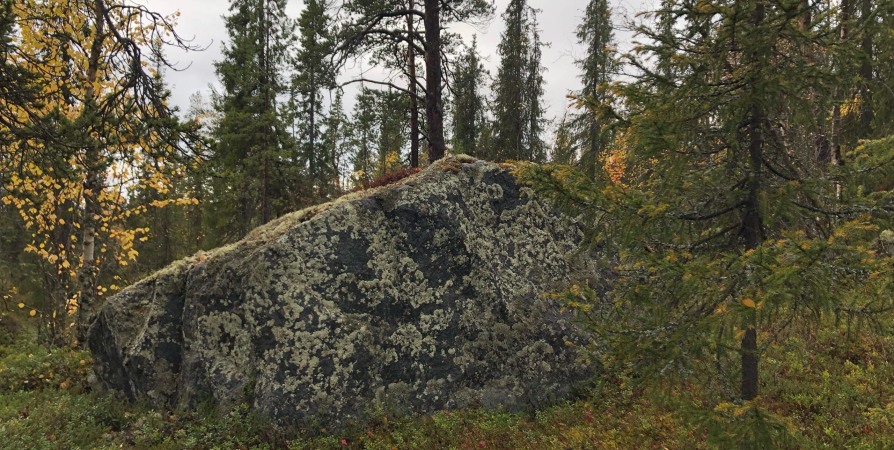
pixel 387 179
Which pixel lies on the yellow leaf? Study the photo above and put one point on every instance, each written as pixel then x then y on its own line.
pixel 32 313
pixel 21 305
pixel 748 302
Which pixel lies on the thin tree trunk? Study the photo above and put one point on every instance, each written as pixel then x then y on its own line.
pixel 265 83
pixel 414 102
pixel 312 151
pixel 836 157
pixel 753 233
pixel 749 364
pixel 752 222
pixel 806 17
pixel 434 112
pixel 93 185
pixel 167 248
pixel 867 113
pixel 822 148
pixel 518 90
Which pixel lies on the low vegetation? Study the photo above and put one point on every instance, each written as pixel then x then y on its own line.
pixel 829 385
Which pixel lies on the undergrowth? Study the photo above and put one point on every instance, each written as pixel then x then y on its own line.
pixel 832 387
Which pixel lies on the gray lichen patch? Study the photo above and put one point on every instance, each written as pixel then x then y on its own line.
pixel 422 295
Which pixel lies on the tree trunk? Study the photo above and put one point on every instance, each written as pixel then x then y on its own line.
pixel 749 364
pixel 822 147
pixel 414 103
pixel 434 110
pixel 93 185
pixel 752 227
pixel 312 150
pixel 519 105
pixel 867 114
pixel 752 224
pixel 265 85
pixel 836 157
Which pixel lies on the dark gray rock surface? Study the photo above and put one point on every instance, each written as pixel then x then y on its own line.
pixel 419 296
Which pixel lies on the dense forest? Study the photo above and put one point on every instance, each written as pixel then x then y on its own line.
pixel 733 164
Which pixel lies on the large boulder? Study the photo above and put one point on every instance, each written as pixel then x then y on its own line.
pixel 423 295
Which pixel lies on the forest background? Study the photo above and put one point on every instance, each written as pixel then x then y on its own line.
pixel 733 162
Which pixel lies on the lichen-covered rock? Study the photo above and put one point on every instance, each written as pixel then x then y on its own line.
pixel 419 296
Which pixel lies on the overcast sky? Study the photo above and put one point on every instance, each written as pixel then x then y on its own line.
pixel 202 21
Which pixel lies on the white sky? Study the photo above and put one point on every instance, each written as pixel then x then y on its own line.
pixel 202 21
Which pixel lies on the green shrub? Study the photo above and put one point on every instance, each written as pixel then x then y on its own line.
pixel 31 367
pixel 9 329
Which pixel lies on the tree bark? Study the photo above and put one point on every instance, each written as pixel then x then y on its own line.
pixel 93 186
pixel 753 229
pixel 434 109
pixel 312 151
pixel 867 114
pixel 519 105
pixel 265 84
pixel 749 365
pixel 836 155
pixel 753 234
pixel 414 103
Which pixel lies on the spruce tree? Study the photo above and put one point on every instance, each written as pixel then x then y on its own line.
pixel 596 35
pixel 312 76
pixel 564 149
pixel 364 138
pixel 253 149
pixel 335 138
pixel 468 102
pixel 381 26
pixel 379 130
pixel 533 93
pixel 518 88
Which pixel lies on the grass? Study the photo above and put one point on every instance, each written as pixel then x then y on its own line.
pixel 830 387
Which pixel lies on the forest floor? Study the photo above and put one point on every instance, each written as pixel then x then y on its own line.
pixel 829 387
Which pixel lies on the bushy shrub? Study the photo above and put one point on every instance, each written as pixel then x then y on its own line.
pixel 32 367
pixel 9 329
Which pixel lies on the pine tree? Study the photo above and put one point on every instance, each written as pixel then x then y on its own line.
pixel 518 88
pixel 380 26
pixel 468 104
pixel 596 34
pixel 312 75
pixel 254 152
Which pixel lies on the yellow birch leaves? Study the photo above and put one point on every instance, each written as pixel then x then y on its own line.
pixel 46 183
